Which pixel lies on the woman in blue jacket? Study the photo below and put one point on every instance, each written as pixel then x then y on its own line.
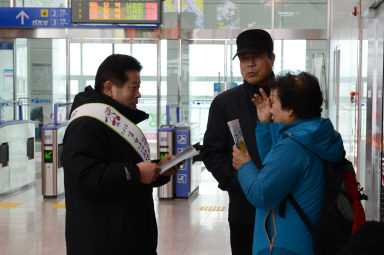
pixel 299 141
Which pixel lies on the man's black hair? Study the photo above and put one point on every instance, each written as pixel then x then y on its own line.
pixel 300 92
pixel 114 69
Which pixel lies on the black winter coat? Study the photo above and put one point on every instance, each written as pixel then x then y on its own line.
pixel 108 210
pixel 216 154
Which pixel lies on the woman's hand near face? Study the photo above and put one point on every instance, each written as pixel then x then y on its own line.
pixel 239 158
pixel 263 106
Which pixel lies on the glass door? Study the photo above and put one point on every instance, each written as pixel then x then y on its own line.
pixel 33 74
pixel 204 76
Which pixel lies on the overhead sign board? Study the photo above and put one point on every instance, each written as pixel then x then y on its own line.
pixel 35 17
pixel 48 18
pixel 116 11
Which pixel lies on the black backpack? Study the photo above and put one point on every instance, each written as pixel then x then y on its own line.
pixel 342 212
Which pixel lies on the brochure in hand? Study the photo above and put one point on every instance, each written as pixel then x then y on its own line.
pixel 185 154
pixel 234 127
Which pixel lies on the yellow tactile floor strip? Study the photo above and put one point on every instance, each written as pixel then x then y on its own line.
pixel 212 208
pixel 58 206
pixel 9 204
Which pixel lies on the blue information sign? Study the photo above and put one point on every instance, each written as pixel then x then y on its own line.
pixel 47 18
pixel 35 17
pixel 6 46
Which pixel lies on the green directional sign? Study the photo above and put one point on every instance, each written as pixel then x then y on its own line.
pixel 48 157
pixel 163 154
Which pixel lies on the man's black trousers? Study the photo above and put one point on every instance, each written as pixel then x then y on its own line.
pixel 241 238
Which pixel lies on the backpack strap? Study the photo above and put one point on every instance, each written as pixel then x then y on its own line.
pixel 283 206
pixel 300 212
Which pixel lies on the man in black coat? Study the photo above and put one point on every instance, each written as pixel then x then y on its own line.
pixel 255 52
pixel 107 173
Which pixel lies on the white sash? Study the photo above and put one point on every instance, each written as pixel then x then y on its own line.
pixel 116 121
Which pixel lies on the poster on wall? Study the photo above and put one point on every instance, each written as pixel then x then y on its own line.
pixel 8 80
pixel 218 14
pixel 41 76
pixel 227 15
pixel 192 11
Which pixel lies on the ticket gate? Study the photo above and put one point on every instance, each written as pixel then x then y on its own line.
pixel 165 143
pixel 17 149
pixel 187 179
pixel 52 148
pixel 171 140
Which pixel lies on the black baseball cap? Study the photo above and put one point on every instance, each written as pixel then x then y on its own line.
pixel 253 41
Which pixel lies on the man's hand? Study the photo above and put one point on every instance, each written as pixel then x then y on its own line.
pixel 172 170
pixel 239 158
pixel 148 172
pixel 263 106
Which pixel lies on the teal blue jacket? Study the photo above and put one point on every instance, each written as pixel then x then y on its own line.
pixel 292 157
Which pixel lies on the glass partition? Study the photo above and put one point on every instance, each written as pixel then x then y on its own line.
pixel 6 80
pixel 147 55
pixel 207 80
pixel 164 80
pixel 40 79
pixel 59 74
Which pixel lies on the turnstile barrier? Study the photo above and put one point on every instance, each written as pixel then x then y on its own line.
pixel 52 168
pixel 165 141
pixel 17 150
pixel 171 140
pixel 52 148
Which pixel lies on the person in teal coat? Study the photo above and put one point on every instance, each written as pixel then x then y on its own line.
pixel 299 141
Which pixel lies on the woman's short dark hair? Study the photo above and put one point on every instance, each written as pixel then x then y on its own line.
pixel 299 92
pixel 114 69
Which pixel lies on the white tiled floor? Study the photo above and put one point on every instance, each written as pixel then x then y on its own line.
pixel 34 227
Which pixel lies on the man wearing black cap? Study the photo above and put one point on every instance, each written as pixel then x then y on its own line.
pixel 255 52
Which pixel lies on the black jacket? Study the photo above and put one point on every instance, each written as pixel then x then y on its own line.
pixel 232 104
pixel 108 210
